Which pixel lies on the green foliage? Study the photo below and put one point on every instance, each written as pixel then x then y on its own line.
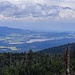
pixel 34 64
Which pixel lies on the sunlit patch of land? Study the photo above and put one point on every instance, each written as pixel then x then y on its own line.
pixel 12 48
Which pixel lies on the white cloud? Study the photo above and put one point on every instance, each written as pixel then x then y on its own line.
pixel 37 40
pixel 67 14
pixel 37 9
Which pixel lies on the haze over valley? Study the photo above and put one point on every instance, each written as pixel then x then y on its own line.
pixel 18 40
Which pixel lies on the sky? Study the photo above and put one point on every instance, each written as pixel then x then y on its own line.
pixel 38 15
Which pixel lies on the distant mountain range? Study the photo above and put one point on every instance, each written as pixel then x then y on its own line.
pixel 4 31
pixel 18 40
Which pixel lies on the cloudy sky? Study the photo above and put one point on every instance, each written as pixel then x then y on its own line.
pixel 45 15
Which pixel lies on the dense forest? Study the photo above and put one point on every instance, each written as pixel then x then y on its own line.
pixel 35 63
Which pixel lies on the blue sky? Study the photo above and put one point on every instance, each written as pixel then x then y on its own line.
pixel 42 15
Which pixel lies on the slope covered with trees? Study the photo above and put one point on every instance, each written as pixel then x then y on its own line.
pixel 35 64
pixel 58 49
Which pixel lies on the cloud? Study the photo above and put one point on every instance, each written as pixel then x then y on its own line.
pixel 67 13
pixel 35 10
pixel 7 9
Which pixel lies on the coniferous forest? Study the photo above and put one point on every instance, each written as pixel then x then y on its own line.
pixel 35 64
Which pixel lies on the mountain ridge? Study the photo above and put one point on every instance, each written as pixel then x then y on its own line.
pixel 59 49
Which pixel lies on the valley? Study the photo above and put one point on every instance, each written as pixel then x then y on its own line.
pixel 12 39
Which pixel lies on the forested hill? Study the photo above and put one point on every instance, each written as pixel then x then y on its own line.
pixel 58 49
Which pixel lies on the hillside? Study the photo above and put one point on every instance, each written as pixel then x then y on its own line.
pixel 6 30
pixel 58 49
